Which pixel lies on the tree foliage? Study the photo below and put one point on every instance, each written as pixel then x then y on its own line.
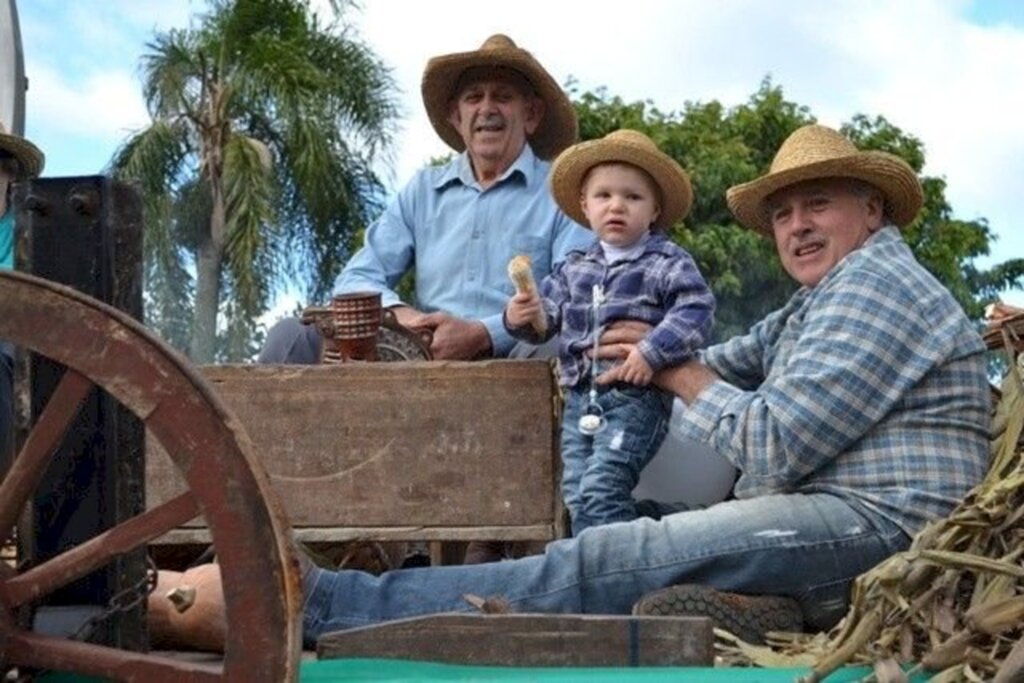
pixel 256 168
pixel 721 147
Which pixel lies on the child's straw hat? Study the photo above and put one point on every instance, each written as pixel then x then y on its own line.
pixel 622 146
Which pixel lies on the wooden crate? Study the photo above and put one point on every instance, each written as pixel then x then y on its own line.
pixel 435 450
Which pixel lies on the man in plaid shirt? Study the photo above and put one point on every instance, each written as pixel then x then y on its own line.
pixel 855 414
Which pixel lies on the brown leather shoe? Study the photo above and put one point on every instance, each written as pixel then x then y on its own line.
pixel 749 617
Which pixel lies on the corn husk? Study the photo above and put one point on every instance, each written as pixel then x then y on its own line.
pixel 520 271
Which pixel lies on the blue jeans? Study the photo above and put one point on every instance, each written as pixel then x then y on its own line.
pixel 289 341
pixel 600 471
pixel 807 546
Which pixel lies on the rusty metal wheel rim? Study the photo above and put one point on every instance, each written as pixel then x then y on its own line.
pixel 225 483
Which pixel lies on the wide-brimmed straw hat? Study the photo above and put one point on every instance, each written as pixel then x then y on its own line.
pixel 621 146
pixel 814 152
pixel 557 129
pixel 28 156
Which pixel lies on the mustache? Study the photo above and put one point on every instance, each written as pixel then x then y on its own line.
pixel 490 119
pixel 804 240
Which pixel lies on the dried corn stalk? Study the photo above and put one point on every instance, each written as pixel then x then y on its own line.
pixel 953 604
pixel 521 273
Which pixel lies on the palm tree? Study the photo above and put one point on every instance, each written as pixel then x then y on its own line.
pixel 256 169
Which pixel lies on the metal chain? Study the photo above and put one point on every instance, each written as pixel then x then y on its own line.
pixel 122 601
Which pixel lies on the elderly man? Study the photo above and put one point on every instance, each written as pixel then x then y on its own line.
pixel 456 226
pixel 19 159
pixel 855 414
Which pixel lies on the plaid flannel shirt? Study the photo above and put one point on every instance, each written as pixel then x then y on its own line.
pixel 871 386
pixel 661 286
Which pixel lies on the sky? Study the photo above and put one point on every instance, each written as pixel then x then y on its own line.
pixel 950 72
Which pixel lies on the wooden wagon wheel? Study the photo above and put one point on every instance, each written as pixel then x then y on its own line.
pixel 103 347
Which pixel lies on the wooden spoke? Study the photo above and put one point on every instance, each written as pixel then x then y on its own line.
pixel 79 561
pixel 58 654
pixel 31 463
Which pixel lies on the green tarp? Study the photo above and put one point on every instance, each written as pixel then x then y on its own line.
pixel 394 671
pixel 378 670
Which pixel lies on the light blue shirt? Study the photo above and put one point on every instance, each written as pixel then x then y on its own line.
pixel 458 239
pixel 870 385
pixel 7 240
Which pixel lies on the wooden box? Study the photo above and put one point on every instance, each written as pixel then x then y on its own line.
pixel 426 450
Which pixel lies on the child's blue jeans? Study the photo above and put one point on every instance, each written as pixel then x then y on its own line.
pixel 600 471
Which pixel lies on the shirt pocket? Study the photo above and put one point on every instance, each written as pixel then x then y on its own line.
pixel 539 251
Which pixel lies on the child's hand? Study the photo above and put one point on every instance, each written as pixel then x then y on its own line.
pixel 635 369
pixel 523 309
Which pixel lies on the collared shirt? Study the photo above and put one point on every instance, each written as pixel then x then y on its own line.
pixel 870 386
pixel 458 238
pixel 660 285
pixel 7 240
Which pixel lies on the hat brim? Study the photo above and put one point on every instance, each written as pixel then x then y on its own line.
pixel 569 169
pixel 558 127
pixel 28 156
pixel 890 174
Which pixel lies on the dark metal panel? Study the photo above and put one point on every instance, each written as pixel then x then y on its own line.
pixel 85 232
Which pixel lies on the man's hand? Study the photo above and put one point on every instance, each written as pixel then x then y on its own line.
pixel 620 338
pixel 454 338
pixel 619 341
pixel 685 381
pixel 523 309
pixel 405 315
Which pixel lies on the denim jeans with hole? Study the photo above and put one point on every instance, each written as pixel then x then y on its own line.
pixel 600 471
pixel 807 546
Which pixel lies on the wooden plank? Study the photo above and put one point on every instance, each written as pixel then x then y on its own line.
pixel 339 534
pixel 429 447
pixel 531 640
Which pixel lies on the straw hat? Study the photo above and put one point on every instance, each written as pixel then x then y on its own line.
pixel 558 127
pixel 625 146
pixel 28 156
pixel 814 152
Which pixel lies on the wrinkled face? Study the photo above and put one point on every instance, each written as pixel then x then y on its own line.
pixel 620 202
pixel 818 222
pixel 495 114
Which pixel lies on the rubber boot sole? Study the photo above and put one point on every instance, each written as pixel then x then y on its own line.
pixel 749 617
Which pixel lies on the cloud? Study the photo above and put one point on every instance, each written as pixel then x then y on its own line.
pixel 956 86
pixel 104 106
pixel 928 66
pixel 85 95
pixel 921 64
